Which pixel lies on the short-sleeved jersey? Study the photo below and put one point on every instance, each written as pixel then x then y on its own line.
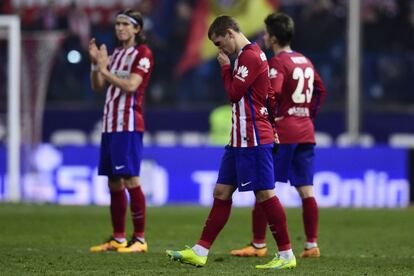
pixel 299 93
pixel 123 111
pixel 248 88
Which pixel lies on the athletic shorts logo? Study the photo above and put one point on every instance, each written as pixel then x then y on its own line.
pixel 245 183
pixel 119 167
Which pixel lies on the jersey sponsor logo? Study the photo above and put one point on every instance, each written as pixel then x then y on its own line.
pixel 263 56
pixel 299 60
pixel 242 73
pixel 144 64
pixel 272 73
pixel 299 111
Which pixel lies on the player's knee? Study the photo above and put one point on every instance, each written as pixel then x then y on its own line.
pixel 264 195
pixel 115 183
pixel 132 182
pixel 222 193
pixel 305 191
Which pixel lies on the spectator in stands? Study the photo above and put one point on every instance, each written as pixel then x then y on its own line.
pixel 79 24
pixel 49 18
pixel 6 7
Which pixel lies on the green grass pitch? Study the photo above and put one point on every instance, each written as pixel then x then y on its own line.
pixel 54 240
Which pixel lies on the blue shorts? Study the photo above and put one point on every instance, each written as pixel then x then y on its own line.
pixel 294 162
pixel 251 169
pixel 121 154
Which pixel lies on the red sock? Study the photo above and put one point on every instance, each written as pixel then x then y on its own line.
pixel 219 214
pixel 310 218
pixel 259 224
pixel 137 205
pixel 118 211
pixel 275 214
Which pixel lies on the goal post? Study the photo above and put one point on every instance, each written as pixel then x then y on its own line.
pixel 12 24
pixel 29 57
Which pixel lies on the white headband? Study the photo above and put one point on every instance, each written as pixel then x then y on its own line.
pixel 133 21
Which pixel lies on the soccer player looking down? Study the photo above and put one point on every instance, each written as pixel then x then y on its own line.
pixel 126 74
pixel 247 163
pixel 299 93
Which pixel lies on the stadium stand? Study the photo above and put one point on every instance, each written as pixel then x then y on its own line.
pixel 348 140
pixel 165 138
pixel 193 139
pixel 401 140
pixel 69 137
pixel 323 139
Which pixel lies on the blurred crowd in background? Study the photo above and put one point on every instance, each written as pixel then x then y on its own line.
pixel 321 33
pixel 388 48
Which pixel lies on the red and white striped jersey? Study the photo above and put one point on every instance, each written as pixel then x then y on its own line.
pixel 123 111
pixel 248 88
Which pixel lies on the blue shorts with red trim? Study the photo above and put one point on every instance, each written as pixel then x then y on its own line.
pixel 295 162
pixel 120 154
pixel 250 169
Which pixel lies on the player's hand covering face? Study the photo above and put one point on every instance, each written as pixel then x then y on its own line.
pixel 222 58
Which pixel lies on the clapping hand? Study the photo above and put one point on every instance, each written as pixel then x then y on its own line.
pixel 102 58
pixel 93 51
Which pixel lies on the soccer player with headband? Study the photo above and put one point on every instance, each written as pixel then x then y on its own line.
pixel 124 76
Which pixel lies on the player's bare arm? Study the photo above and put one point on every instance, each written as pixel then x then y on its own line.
pixel 129 84
pixel 97 81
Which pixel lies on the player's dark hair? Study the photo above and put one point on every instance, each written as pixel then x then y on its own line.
pixel 221 24
pixel 136 15
pixel 281 26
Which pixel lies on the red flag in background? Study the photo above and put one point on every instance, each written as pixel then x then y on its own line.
pixel 248 13
pixel 7 7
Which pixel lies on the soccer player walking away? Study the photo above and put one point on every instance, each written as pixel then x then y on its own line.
pixel 247 163
pixel 299 93
pixel 126 74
